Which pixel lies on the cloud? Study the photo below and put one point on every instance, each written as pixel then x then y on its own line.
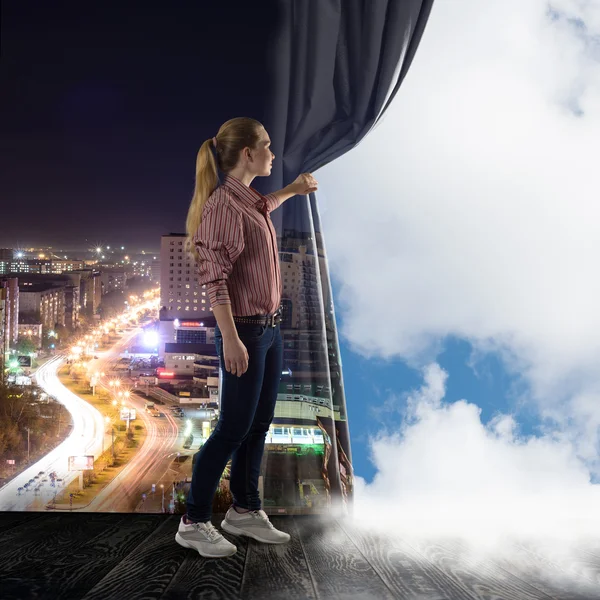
pixel 445 473
pixel 472 210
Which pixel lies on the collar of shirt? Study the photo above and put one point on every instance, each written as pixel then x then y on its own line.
pixel 248 195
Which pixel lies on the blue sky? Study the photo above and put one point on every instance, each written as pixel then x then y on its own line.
pixel 370 382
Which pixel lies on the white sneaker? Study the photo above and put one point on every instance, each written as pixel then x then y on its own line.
pixel 204 538
pixel 254 524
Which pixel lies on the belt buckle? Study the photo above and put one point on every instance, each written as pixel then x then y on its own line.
pixel 271 319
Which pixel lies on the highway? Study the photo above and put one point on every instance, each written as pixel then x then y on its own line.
pixel 85 438
pixel 150 464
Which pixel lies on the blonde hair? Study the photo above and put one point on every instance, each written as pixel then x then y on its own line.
pixel 233 136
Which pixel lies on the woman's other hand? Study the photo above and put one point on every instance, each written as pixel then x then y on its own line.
pixel 235 355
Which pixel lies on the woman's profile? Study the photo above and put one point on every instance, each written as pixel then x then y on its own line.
pixel 230 230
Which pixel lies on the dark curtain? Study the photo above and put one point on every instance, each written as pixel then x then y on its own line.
pixel 336 66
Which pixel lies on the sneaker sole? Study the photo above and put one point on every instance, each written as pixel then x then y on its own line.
pixel 185 544
pixel 229 528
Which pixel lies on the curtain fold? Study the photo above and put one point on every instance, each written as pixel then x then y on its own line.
pixel 336 66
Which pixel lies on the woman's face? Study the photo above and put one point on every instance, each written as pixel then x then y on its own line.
pixel 262 157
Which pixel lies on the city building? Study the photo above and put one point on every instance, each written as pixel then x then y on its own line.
pixel 90 290
pixel 184 303
pixel 6 258
pixel 155 270
pixel 69 282
pixel 65 265
pixel 180 292
pixel 113 279
pixel 43 302
pixel 30 329
pixel 46 265
pixel 10 313
pixel 195 362
pixel 2 331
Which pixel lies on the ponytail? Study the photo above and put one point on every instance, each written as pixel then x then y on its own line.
pixel 206 181
pixel 232 138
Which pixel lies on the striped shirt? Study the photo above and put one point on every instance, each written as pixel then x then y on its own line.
pixel 237 251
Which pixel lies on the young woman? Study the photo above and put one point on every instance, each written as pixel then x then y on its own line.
pixel 231 231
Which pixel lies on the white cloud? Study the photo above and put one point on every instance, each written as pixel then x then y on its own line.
pixel 473 210
pixel 444 472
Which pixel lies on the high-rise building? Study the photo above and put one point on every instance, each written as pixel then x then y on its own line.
pixel 43 302
pixel 10 316
pixel 90 292
pixel 113 279
pixel 180 293
pixel 6 258
pixel 155 271
pixel 70 283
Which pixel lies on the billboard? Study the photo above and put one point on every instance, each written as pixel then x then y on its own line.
pixel 81 463
pixel 24 361
pixel 128 413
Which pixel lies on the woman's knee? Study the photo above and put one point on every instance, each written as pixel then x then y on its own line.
pixel 230 435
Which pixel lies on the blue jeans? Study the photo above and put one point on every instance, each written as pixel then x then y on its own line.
pixel 247 410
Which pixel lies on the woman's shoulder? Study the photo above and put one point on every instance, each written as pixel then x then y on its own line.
pixel 221 196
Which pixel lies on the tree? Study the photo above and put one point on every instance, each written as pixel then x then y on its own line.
pixel 25 345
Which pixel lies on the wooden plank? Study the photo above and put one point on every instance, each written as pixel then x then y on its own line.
pixel 404 571
pixel 209 578
pixel 27 533
pixel 75 555
pixel 338 569
pixel 149 571
pixel 49 536
pixel 10 519
pixel 550 577
pixel 575 562
pixel 278 571
pixel 481 578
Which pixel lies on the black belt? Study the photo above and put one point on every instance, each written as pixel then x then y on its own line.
pixel 267 320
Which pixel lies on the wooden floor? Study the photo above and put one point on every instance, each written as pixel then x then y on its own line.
pixel 131 556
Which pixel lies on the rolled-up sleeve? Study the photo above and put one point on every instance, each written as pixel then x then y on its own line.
pixel 219 241
pixel 272 202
